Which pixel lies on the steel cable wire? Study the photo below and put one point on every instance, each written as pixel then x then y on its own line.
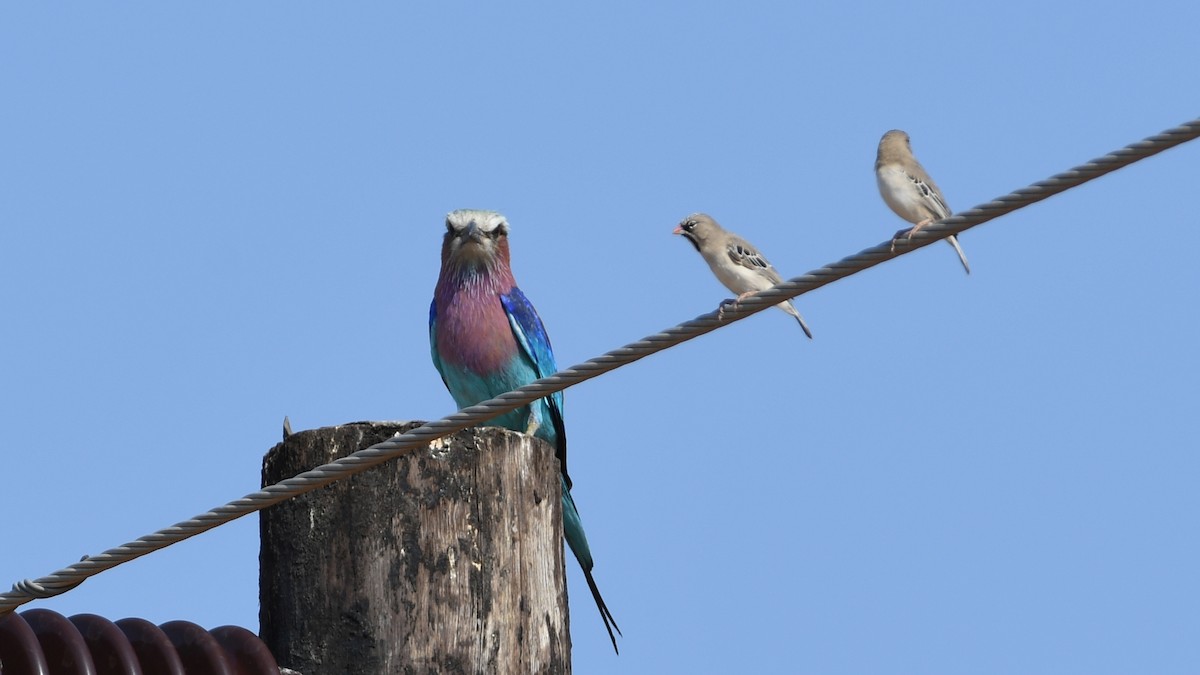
pixel 69 577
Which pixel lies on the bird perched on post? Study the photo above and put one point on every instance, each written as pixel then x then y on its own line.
pixel 734 261
pixel 486 339
pixel 908 190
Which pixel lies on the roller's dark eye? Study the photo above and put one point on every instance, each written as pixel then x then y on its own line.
pixel 449 227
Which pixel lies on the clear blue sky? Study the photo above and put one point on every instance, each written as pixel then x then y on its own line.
pixel 215 215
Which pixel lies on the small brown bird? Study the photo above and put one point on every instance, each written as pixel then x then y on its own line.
pixel 734 261
pixel 908 190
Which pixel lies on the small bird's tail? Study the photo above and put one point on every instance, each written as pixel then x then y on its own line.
pixel 953 240
pixel 791 309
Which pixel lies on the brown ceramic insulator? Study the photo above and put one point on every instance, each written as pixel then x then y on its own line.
pixel 42 642
pixel 19 648
pixel 246 652
pixel 200 652
pixel 155 652
pixel 111 651
pixel 66 652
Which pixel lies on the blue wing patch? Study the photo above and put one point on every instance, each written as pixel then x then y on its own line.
pixel 535 345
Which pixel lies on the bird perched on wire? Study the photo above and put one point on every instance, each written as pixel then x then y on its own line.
pixel 487 339
pixel 908 190
pixel 734 261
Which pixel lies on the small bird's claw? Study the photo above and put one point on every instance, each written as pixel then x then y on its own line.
pixel 721 310
pixel 732 302
pixel 907 235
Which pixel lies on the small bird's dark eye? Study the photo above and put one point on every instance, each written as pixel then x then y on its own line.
pixel 688 225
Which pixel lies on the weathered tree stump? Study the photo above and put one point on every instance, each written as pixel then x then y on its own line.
pixel 447 560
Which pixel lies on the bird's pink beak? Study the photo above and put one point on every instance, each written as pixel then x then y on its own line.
pixel 678 230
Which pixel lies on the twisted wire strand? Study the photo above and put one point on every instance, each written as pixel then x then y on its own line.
pixel 65 579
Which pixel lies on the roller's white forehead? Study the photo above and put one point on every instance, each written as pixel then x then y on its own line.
pixel 484 220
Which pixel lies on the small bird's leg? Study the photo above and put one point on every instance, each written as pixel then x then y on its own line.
pixel 916 228
pixel 731 301
pixel 908 234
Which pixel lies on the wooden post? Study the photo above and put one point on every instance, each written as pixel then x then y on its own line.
pixel 447 560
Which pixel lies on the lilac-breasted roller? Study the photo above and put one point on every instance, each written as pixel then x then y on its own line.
pixel 487 339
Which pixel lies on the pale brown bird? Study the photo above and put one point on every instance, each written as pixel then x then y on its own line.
pixel 908 190
pixel 734 261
